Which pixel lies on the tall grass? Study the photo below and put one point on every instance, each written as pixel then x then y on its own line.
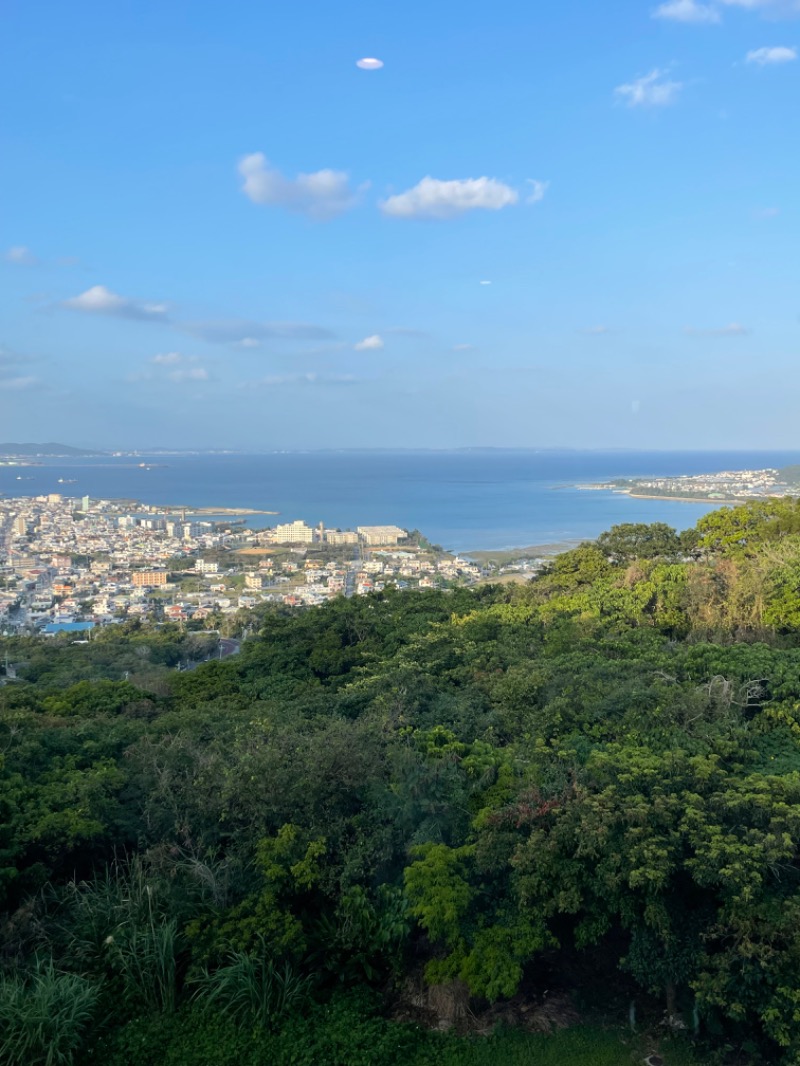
pixel 117 926
pixel 44 1016
pixel 252 990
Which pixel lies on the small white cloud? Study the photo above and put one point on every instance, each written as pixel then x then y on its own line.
pixel 432 198
pixel 538 190
pixel 369 64
pixel 101 301
pixel 21 255
pixel 369 344
pixel 768 57
pixel 321 195
pixel 485 283
pixel 687 11
pixel 192 373
pixel 652 90
pixel 249 342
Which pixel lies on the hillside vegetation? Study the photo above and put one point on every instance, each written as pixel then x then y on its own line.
pixel 574 802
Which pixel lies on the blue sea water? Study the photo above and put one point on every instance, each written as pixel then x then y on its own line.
pixel 462 500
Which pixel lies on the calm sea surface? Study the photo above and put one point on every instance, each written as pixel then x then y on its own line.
pixel 462 500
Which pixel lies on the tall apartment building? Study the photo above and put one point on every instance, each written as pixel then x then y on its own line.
pixel 149 578
pixel 294 533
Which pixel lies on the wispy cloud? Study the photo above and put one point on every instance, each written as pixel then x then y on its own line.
pixel 769 7
pixel 596 331
pixel 21 255
pixel 369 63
pixel 321 195
pixel 101 301
pixel 735 329
pixel 770 57
pixel 172 359
pixel 275 381
pixel 20 383
pixel 247 333
pixel 537 191
pixel 462 347
pixel 188 374
pixel 373 343
pixel 651 90
pixel 432 198
pixel 10 357
pixel 687 11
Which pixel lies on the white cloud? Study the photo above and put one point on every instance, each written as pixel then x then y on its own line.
pixel 373 343
pixel 101 301
pixel 538 189
pixel 766 57
pixel 687 11
pixel 21 255
pixel 321 195
pixel 485 283
pixel 369 64
pixel 192 373
pixel 432 198
pixel 652 90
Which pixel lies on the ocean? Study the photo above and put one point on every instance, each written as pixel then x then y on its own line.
pixel 463 500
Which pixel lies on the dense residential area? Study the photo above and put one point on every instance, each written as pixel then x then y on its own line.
pixel 76 563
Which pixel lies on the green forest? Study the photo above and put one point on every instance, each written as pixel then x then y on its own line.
pixel 550 823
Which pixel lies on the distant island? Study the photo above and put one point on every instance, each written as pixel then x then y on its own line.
pixel 43 451
pixel 727 486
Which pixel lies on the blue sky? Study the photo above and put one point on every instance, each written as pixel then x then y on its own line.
pixel 570 224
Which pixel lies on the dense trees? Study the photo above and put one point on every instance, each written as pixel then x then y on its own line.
pixel 595 776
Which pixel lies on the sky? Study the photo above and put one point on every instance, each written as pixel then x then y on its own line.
pixel 571 224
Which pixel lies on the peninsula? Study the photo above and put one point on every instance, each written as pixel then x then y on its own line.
pixel 725 486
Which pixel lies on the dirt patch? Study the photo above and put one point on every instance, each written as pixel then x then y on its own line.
pixel 450 1006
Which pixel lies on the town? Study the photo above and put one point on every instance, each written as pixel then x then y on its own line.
pixel 70 564
pixel 721 487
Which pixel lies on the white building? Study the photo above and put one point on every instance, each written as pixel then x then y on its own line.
pixel 294 533
pixel 380 535
pixel 337 538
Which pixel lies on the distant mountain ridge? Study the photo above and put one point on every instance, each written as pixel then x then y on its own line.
pixel 50 449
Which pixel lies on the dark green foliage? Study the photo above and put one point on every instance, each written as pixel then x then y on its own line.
pixel 44 1016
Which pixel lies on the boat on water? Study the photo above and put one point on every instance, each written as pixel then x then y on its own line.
pixel 67 480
